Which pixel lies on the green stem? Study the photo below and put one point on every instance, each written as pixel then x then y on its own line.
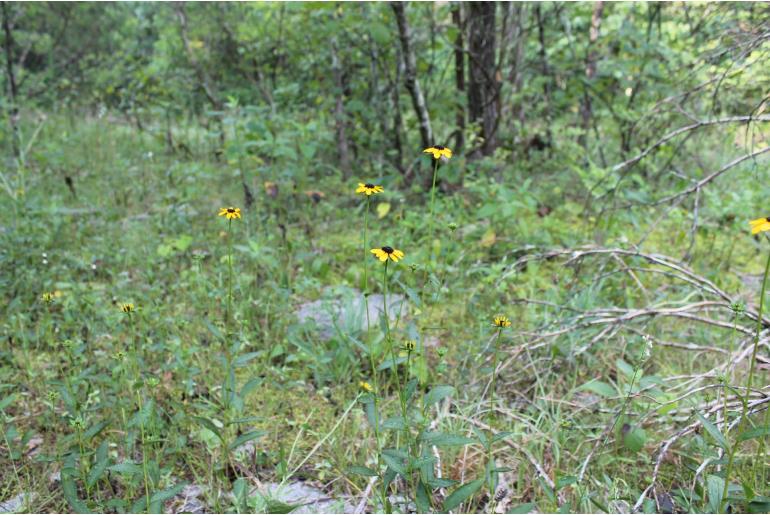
pixel 228 315
pixel 494 372
pixel 83 463
pixel 432 203
pixel 372 363
pixel 230 272
pixel 145 472
pixel 366 263
pixel 759 326
pixel 394 369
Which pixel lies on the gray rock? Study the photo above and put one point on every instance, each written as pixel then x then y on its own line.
pixel 309 498
pixel 619 506
pixel 188 500
pixel 17 504
pixel 346 313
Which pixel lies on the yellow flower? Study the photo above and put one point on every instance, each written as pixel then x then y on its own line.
pixel 230 212
pixel 368 188
pixel 410 345
pixel 383 253
pixel 48 297
pixel 501 321
pixel 127 307
pixel 365 386
pixel 438 151
pixel 760 225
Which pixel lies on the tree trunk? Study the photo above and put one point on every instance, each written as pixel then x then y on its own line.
pixel 546 72
pixel 484 83
pixel 339 111
pixel 593 36
pixel 410 69
pixel 459 76
pixel 515 76
pixel 13 93
pixel 398 122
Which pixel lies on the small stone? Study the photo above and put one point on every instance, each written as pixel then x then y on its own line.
pixel 308 499
pixel 347 313
pixel 188 500
pixel 17 504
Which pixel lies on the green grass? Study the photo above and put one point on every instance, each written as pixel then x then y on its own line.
pixel 142 228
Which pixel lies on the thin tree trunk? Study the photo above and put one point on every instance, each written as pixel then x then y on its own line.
pixel 13 92
pixel 484 83
pixel 410 68
pixel 398 122
pixel 459 76
pixel 593 36
pixel 546 72
pixel 339 111
pixel 515 76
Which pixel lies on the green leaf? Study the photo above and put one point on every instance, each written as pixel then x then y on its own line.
pixel 243 359
pixel 756 432
pixel 445 440
pixel 634 439
pixel 279 507
pixel 246 437
pixel 715 486
pixel 250 386
pixel 441 482
pixel 394 423
pixel 461 494
pixel 523 508
pixel 126 467
pixel 714 431
pixel 624 367
pixel 7 401
pixel 437 393
pixel 164 495
pixel 388 363
pixel 140 505
pixel 499 436
pixel 71 495
pixel 208 424
pixel 142 416
pixel 362 471
pixel 95 429
pixel 422 498
pixel 599 388
pixel 97 471
pixel 394 461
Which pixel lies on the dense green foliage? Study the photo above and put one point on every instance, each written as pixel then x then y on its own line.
pixel 607 160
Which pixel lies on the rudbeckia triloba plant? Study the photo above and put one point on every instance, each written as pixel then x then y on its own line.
pixel 369 189
pixel 231 213
pixel 387 254
pixel 438 152
pixel 501 322
pixel 758 225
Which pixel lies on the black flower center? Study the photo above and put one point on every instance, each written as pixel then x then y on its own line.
pixel 767 219
pixel 369 186
pixel 387 250
pixel 438 147
pixel 231 210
